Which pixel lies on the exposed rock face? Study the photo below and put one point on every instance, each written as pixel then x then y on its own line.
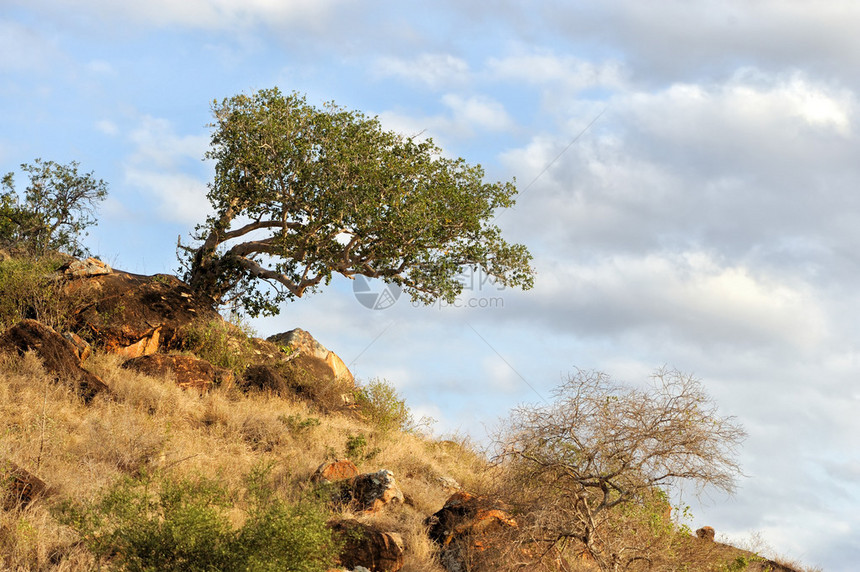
pixel 58 355
pixel 190 372
pixel 466 527
pixel 372 492
pixel 85 268
pixel 312 357
pixel 82 348
pixel 335 471
pixel 19 486
pixel 368 546
pixel 265 378
pixel 137 315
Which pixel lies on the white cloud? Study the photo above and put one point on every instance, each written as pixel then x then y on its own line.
pixel 23 48
pixel 181 198
pixel 432 70
pixel 107 127
pixel 477 112
pixel 547 68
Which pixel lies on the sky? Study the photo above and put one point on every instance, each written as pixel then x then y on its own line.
pixel 688 182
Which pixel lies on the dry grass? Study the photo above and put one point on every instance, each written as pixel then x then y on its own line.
pixel 149 425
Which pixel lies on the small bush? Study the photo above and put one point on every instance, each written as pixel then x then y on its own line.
pixel 358 449
pixel 183 525
pixel 29 289
pixel 381 404
pixel 220 343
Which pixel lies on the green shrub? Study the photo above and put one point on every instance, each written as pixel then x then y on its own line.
pixel 29 288
pixel 358 449
pixel 379 403
pixel 153 525
pixel 221 343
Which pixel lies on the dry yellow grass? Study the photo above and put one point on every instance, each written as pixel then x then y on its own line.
pixel 149 425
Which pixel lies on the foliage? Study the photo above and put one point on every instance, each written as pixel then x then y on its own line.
pixel 584 463
pixel 183 525
pixel 301 193
pixel 221 343
pixel 29 289
pixel 57 207
pixel 382 405
pixel 358 449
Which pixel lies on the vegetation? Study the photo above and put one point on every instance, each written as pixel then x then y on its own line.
pixel 29 289
pixel 183 525
pixel 55 210
pixel 301 193
pixel 589 467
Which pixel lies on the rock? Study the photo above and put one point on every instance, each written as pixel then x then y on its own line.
pixel 82 348
pixel 85 268
pixel 335 471
pixel 706 533
pixel 368 546
pixel 190 372
pixel 312 356
pixel 58 355
pixel 467 526
pixel 19 487
pixel 371 492
pixel 265 378
pixel 133 315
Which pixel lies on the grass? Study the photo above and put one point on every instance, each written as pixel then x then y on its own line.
pixel 148 426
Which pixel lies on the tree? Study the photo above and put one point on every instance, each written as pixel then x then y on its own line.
pixel 57 206
pixel 591 466
pixel 301 193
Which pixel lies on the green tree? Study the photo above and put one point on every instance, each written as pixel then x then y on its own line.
pixel 301 193
pixel 57 207
pixel 588 467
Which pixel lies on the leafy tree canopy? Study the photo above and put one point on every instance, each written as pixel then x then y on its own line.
pixel 56 208
pixel 301 193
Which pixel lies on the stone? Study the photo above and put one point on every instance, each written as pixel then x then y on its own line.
pixel 59 357
pixel 133 315
pixel 706 533
pixel 312 356
pixel 19 487
pixel 368 546
pixel 85 268
pixel 82 348
pixel 190 372
pixel 335 471
pixel 467 526
pixel 372 492
pixel 265 378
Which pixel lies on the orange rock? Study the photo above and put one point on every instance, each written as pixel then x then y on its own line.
pixel 334 471
pixel 190 372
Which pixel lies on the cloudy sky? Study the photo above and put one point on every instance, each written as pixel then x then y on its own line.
pixel 688 176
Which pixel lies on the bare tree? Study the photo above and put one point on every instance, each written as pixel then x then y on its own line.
pixel 590 467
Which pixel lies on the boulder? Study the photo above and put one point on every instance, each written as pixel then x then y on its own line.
pixel 82 348
pixel 470 528
pixel 368 546
pixel 85 268
pixel 58 355
pixel 335 471
pixel 265 378
pixel 312 356
pixel 372 492
pixel 190 372
pixel 133 315
pixel 19 487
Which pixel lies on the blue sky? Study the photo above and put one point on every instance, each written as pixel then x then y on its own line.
pixel 708 219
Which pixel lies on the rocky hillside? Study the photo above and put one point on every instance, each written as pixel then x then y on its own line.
pixel 142 431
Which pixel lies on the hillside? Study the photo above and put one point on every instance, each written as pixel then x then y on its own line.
pixel 206 448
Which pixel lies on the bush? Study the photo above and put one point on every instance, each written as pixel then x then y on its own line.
pixel 380 403
pixel 29 289
pixel 183 525
pixel 221 343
